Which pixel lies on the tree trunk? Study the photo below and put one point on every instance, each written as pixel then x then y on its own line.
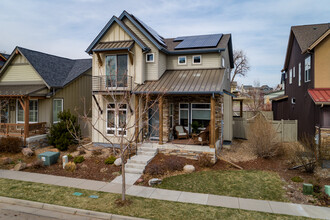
pixel 123 187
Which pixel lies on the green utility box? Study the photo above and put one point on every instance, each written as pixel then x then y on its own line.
pixel 49 157
pixel 327 189
pixel 307 189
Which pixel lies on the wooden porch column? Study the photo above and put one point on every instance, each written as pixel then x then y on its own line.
pixel 26 118
pixel 212 123
pixel 136 118
pixel 160 120
pixel 241 108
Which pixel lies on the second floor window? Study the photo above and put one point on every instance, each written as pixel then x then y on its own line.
pixel 182 60
pixel 308 69
pixel 197 59
pixel 116 70
pixel 150 58
pixel 290 76
pixel 299 74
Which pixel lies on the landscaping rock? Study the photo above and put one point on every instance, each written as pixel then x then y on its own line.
pixel 139 180
pixel 6 160
pixel 85 166
pixel 103 170
pixel 188 168
pixel 117 162
pixel 154 181
pixel 116 173
pixel 27 152
pixel 20 166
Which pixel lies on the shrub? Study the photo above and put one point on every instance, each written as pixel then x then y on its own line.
pixel 174 164
pixel 305 155
pixel 70 156
pixel 204 160
pixel 79 159
pixel 61 133
pixel 110 160
pixel 11 144
pixel 297 179
pixel 70 166
pixel 72 148
pixel 82 151
pixel 155 170
pixel 262 138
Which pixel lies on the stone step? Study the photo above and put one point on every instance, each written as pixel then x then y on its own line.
pixel 141 159
pixel 135 165
pixel 146 153
pixel 147 149
pixel 134 170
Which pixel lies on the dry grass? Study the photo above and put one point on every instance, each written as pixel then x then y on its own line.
pixel 239 151
pixel 262 138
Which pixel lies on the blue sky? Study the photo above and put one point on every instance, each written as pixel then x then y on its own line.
pixel 259 27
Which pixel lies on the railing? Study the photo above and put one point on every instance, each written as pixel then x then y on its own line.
pixel 106 83
pixel 17 130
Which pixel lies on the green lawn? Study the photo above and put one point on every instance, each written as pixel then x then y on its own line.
pixel 246 184
pixel 141 207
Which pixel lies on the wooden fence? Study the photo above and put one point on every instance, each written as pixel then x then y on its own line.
pixel 287 130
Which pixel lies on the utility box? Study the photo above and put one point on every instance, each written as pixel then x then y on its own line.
pixel 49 157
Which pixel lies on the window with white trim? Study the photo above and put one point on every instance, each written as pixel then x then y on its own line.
pixel 116 119
pixel 294 72
pixel 182 60
pixel 223 63
pixel 184 115
pixel 116 70
pixel 150 57
pixel 197 59
pixel 308 69
pixel 290 76
pixel 33 112
pixel 293 100
pixel 57 108
pixel 299 74
pixel 201 113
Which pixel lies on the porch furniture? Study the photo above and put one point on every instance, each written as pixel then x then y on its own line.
pixel 203 137
pixel 181 132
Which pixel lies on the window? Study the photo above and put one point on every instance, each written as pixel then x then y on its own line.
pixel 150 58
pixel 286 74
pixel 290 76
pixel 184 115
pixel 223 63
pixel 294 72
pixel 116 119
pixel 33 112
pixel 308 69
pixel 116 70
pixel 182 60
pixel 201 113
pixel 299 74
pixel 197 59
pixel 171 114
pixel 57 108
pixel 293 100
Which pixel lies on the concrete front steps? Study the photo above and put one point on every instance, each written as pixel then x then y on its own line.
pixel 135 165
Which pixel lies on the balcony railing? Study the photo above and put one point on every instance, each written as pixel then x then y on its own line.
pixel 106 83
pixel 17 130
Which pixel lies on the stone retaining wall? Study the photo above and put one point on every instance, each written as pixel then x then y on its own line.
pixel 36 142
pixel 189 154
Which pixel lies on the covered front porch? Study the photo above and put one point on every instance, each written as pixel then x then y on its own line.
pixel 19 111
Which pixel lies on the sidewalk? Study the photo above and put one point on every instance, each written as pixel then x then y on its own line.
pixel 172 195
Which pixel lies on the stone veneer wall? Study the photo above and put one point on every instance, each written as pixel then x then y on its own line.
pixel 189 154
pixel 324 140
pixel 36 142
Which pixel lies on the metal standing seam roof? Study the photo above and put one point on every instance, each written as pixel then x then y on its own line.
pixel 320 96
pixel 7 90
pixel 196 81
pixel 114 45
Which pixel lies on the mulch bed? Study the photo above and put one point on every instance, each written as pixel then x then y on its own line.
pixel 89 169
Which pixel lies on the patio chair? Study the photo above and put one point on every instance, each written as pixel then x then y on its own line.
pixel 181 132
pixel 203 137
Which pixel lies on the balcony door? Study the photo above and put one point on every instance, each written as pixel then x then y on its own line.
pixel 116 70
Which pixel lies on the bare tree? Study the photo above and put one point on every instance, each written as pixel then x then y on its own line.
pixel 255 102
pixel 241 64
pixel 121 118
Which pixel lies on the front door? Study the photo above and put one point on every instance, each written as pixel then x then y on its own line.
pixel 154 122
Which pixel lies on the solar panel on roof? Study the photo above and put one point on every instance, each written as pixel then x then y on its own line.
pixel 152 32
pixel 199 41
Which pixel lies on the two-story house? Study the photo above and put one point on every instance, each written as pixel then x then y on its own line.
pixel 306 75
pixel 188 76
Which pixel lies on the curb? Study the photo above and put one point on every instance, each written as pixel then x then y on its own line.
pixel 64 209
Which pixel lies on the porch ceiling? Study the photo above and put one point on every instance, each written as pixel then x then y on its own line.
pixel 195 81
pixel 19 90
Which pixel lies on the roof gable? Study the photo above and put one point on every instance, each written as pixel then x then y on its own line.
pixel 113 20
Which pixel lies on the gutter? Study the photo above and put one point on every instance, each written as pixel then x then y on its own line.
pixel 214 50
pixel 180 93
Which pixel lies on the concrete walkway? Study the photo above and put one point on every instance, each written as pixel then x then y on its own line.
pixel 172 195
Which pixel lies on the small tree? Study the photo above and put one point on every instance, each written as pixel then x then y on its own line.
pixel 60 133
pixel 241 64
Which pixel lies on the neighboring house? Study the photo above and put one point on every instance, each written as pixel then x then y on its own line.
pixel 192 73
pixel 3 58
pixel 306 73
pixel 35 87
